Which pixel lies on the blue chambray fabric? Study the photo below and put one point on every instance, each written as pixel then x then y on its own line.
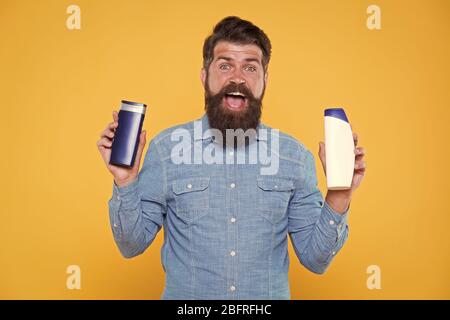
pixel 226 226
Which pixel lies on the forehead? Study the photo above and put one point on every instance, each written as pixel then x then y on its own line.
pixel 237 51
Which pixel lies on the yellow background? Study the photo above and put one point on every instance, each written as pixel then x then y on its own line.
pixel 59 87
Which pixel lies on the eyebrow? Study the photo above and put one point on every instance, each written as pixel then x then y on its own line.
pixel 246 59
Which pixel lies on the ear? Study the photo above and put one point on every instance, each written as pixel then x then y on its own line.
pixel 203 76
pixel 266 77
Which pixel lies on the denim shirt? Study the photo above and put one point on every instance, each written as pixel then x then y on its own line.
pixel 226 225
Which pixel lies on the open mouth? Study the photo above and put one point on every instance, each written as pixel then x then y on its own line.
pixel 235 101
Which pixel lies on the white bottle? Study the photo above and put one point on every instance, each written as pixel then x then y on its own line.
pixel 339 150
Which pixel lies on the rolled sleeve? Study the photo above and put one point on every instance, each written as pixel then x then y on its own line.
pixel 333 222
pixel 127 196
pixel 137 210
pixel 316 230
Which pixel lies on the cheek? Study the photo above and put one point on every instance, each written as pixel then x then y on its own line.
pixel 258 87
pixel 215 83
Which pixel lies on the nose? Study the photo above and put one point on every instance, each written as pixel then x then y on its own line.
pixel 237 77
pixel 237 81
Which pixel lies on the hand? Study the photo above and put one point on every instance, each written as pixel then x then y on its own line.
pixel 122 176
pixel 360 164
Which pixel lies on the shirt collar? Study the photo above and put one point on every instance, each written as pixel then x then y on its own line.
pixel 207 134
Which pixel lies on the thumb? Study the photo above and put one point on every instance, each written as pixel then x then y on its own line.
pixel 322 154
pixel 142 142
pixel 321 149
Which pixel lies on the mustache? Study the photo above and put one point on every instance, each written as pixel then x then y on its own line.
pixel 239 88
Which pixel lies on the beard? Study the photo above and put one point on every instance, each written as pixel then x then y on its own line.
pixel 222 118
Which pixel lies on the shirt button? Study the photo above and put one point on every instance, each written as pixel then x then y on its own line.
pixel 331 222
pixel 231 153
pixel 232 288
pixel 232 253
pixel 275 186
pixel 189 186
pixel 233 220
pixel 333 253
pixel 115 225
pixel 233 185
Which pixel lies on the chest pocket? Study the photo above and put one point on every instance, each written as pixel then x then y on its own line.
pixel 191 198
pixel 273 197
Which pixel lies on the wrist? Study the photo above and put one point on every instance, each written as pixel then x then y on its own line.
pixel 339 200
pixel 124 182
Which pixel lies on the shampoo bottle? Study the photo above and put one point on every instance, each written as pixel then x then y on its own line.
pixel 339 150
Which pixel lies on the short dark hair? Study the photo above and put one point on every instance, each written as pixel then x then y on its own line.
pixel 236 30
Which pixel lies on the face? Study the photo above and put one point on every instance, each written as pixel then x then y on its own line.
pixel 234 86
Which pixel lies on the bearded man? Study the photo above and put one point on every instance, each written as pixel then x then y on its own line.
pixel 226 223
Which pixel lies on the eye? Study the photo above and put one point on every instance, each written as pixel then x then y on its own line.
pixel 224 66
pixel 250 68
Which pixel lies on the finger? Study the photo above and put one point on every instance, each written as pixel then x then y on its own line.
pixel 322 156
pixel 115 116
pixel 360 171
pixel 321 148
pixel 112 125
pixel 360 151
pixel 104 143
pixel 107 133
pixel 321 151
pixel 355 138
pixel 360 165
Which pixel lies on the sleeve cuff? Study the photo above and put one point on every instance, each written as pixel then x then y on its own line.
pixel 335 223
pixel 334 215
pixel 123 191
pixel 127 196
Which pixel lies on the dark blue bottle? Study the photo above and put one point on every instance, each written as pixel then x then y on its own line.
pixel 126 137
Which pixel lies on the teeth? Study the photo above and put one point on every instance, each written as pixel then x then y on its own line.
pixel 236 94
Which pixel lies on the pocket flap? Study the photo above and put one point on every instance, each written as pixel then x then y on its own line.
pixel 275 184
pixel 189 185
